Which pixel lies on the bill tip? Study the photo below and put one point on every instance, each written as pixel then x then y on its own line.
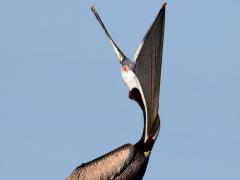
pixel 93 7
pixel 164 5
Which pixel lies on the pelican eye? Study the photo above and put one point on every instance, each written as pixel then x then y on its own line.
pixel 124 68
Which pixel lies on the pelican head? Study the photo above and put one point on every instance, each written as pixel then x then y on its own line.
pixel 142 76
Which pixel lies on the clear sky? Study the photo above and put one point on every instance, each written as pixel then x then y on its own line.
pixel 62 100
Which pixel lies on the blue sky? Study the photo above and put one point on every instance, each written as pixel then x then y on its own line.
pixel 62 100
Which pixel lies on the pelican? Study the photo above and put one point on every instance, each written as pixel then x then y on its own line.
pixel 142 78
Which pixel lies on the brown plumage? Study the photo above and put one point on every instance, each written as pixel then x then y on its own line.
pixel 121 164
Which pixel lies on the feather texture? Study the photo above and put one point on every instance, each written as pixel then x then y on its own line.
pixel 121 164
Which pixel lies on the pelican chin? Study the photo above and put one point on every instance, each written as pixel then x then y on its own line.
pixel 142 78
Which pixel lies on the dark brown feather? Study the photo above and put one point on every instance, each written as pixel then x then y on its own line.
pixel 123 163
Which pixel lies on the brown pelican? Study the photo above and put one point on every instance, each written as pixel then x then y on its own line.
pixel 142 77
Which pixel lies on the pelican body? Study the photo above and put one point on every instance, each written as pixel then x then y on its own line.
pixel 142 77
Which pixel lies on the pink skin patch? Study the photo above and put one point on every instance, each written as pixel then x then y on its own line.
pixel 125 68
